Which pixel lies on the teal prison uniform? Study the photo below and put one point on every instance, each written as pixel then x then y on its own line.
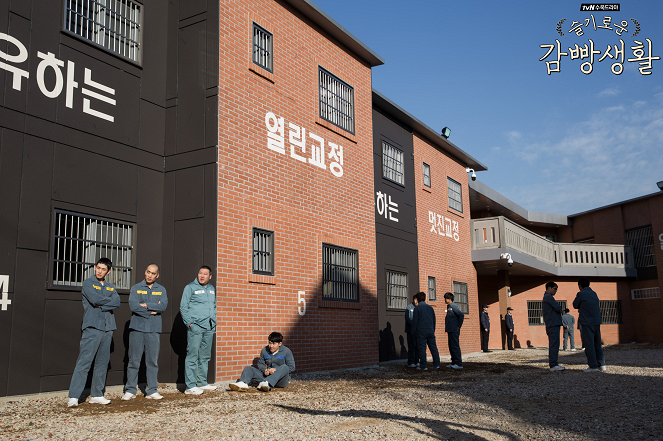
pixel 198 309
pixel 144 335
pixel 99 301
pixel 282 360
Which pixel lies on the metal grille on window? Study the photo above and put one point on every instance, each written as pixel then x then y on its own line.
pixel 262 48
pixel 646 293
pixel 642 243
pixel 460 297
pixel 263 252
pixel 337 101
pixel 455 196
pixel 112 24
pixel 80 240
pixel 396 290
pixel 431 288
pixel 611 311
pixel 339 274
pixel 392 163
pixel 535 312
pixel 426 175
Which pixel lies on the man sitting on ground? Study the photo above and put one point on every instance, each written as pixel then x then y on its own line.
pixel 274 367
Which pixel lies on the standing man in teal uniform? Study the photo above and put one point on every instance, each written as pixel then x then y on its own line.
pixel 99 300
pixel 147 301
pixel 198 310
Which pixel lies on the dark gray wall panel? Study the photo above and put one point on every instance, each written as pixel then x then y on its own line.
pixel 19 28
pixel 190 193
pixel 210 231
pixel 11 158
pixel 189 8
pixel 191 88
pixel 212 121
pixel 57 382
pixel 173 30
pixel 4 27
pixel 62 322
pixel 26 339
pixel 88 179
pixel 188 252
pixel 171 130
pixel 155 37
pixel 34 223
pixel 21 7
pixel 212 70
pixel 152 128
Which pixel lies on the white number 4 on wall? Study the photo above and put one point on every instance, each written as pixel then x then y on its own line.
pixel 4 285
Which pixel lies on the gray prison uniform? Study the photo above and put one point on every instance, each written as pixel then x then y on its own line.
pixel 144 335
pixel 99 301
pixel 567 322
pixel 282 360
pixel 198 309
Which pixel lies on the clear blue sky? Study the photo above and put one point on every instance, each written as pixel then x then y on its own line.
pixel 560 143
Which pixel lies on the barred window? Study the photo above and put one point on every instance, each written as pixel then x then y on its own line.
pixel 431 288
pixel 340 279
pixel 642 243
pixel 337 101
pixel 263 42
pixel 80 240
pixel 460 297
pixel 535 312
pixel 426 175
pixel 263 252
pixel 611 311
pixel 392 163
pixel 112 24
pixel 455 195
pixel 396 290
pixel 646 293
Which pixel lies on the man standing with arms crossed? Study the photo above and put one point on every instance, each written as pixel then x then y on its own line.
pixel 147 301
pixel 552 317
pixel 589 317
pixel 452 324
pixel 198 309
pixel 423 326
pixel 99 300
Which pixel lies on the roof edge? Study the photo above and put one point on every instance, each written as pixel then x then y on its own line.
pixel 628 201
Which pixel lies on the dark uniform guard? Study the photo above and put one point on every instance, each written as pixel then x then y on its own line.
pixel 485 329
pixel 508 321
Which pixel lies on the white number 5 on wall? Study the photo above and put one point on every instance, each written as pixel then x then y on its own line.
pixel 302 300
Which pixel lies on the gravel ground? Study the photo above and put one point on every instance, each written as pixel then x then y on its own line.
pixel 506 395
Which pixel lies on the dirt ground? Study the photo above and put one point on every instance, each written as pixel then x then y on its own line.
pixel 505 395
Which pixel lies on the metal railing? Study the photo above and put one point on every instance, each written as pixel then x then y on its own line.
pixel 500 232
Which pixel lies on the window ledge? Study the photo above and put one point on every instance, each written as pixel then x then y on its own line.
pixel 269 76
pixel 452 211
pixel 339 305
pixel 339 131
pixel 428 189
pixel 262 279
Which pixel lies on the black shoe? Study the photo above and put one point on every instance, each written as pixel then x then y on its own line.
pixel 487 351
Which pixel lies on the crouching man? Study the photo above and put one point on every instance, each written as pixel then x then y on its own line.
pixel 274 367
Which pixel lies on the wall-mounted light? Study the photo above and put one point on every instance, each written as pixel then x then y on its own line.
pixel 446 132
pixel 474 175
pixel 508 258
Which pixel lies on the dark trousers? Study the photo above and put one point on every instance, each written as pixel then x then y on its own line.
pixel 553 345
pixel 484 339
pixel 591 339
pixel 280 378
pixel 568 334
pixel 412 357
pixel 509 339
pixel 454 348
pixel 424 340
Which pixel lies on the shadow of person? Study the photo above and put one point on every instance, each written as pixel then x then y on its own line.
pixel 516 342
pixel 529 344
pixel 401 340
pixel 387 344
pixel 178 343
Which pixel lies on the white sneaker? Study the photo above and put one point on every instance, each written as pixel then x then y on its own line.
pixel 419 368
pixel 194 391
pixel 573 350
pixel 209 387
pixel 154 396
pixel 603 368
pixel 557 368
pixel 73 402
pixel 455 366
pixel 128 396
pixel 264 387
pixel 239 386
pixel 99 400
pixel 590 370
pixel 413 365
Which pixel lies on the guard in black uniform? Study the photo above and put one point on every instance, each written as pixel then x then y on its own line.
pixel 508 321
pixel 485 329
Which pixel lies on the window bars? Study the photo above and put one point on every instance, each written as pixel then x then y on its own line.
pixel 340 279
pixel 460 297
pixel 112 24
pixel 432 295
pixel 80 240
pixel 611 311
pixel 646 293
pixel 427 175
pixel 263 42
pixel 337 102
pixel 396 290
pixel 455 197
pixel 392 163
pixel 263 252
pixel 535 312
pixel 642 243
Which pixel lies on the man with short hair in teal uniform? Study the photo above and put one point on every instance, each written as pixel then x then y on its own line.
pixel 198 309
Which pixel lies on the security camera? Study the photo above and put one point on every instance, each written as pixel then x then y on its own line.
pixel 508 258
pixel 474 175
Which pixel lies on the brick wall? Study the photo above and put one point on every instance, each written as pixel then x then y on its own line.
pixel 303 204
pixel 441 256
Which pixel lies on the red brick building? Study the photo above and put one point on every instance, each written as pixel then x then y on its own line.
pixel 296 230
